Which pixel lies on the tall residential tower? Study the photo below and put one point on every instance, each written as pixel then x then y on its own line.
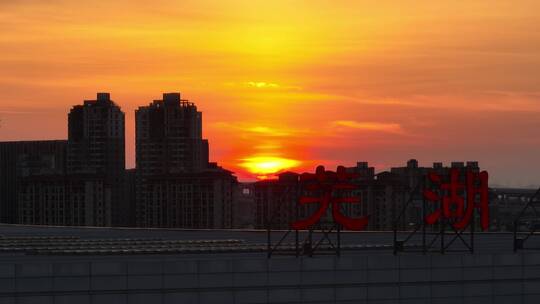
pixel 96 153
pixel 169 137
pixel 96 143
pixel 176 185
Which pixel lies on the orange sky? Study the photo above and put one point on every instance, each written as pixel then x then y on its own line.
pixel 311 82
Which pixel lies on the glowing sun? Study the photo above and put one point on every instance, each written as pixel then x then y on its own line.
pixel 263 166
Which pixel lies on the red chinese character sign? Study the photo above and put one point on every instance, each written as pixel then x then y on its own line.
pixel 330 190
pixel 453 201
pixel 459 200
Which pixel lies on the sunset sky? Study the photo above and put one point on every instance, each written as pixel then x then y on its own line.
pixel 291 83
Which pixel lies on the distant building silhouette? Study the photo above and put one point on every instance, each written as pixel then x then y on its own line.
pixel 506 204
pixel 86 187
pixel 244 206
pixel 73 200
pixel 277 200
pixel 189 200
pixel 176 185
pixel 130 198
pixel 24 159
pixel 382 195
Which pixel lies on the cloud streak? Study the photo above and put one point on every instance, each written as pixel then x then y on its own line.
pixel 369 126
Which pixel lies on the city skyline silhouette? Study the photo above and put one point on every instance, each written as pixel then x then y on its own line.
pixel 265 167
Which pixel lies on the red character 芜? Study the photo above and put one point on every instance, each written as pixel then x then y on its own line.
pixel 329 183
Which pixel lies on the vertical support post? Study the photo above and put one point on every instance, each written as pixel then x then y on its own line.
pixel 442 224
pixel 441 232
pixel 296 213
pixel 268 241
pixel 473 226
pixel 297 249
pixel 338 239
pixel 395 227
pixel 515 235
pixel 423 219
pixel 395 239
pixel 310 243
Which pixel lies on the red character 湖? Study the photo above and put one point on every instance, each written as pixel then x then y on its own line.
pixel 453 203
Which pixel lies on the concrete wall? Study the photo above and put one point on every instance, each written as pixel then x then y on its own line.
pixel 508 278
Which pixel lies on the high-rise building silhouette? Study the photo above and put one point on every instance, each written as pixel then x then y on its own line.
pixel 96 143
pixel 169 137
pixel 176 185
pixel 96 150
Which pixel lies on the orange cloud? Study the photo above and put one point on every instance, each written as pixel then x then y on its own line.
pixel 262 130
pixel 262 84
pixel 369 126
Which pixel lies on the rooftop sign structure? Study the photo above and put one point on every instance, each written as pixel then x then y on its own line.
pixel 527 223
pixel 449 203
pixel 330 189
pixel 455 207
pixel 314 195
pixel 449 206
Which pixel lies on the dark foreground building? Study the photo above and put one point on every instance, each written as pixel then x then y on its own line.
pixel 129 266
